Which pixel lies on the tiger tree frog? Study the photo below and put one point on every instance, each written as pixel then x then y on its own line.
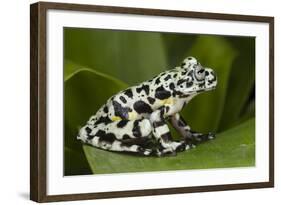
pixel 135 119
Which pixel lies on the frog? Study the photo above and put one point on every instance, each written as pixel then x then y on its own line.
pixel 136 120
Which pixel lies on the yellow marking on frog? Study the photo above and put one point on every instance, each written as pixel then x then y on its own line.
pixel 116 118
pixel 132 115
pixel 168 101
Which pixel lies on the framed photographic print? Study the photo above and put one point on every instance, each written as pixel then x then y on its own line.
pixel 133 102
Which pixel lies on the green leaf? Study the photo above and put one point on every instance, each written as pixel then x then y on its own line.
pixel 84 92
pixel 70 68
pixel 75 162
pixel 204 111
pixel 241 81
pixel 129 56
pixel 176 45
pixel 248 112
pixel 233 148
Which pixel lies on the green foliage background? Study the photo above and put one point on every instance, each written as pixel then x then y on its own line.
pixel 98 63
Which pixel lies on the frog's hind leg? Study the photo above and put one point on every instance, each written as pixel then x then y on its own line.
pixel 191 137
pixel 118 136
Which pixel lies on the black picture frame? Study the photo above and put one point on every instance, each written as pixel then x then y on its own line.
pixel 38 100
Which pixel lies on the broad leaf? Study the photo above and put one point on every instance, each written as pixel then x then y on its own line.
pixel 232 148
pixel 129 56
pixel 241 82
pixel 177 44
pixel 85 91
pixel 70 69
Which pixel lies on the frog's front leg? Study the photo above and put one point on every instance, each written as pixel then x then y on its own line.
pixel 163 135
pixel 191 137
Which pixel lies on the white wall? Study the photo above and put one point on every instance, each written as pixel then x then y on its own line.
pixel 14 100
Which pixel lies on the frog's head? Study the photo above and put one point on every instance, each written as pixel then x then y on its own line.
pixel 195 78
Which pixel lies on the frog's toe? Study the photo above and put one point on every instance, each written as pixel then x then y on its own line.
pixel 165 152
pixel 181 147
pixel 187 147
pixel 145 152
pixel 211 135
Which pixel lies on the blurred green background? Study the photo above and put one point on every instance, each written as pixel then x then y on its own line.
pixel 98 63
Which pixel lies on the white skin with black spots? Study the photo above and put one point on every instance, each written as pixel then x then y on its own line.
pixel 135 120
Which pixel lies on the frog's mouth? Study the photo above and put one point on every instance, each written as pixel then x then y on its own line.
pixel 211 88
pixel 206 89
pixel 202 89
pixel 211 84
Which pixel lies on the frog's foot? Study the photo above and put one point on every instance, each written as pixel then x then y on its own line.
pixel 165 152
pixel 172 149
pixel 142 146
pixel 196 138
pixel 119 146
pixel 191 138
pixel 144 151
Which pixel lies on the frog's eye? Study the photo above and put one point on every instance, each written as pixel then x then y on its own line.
pixel 200 74
pixel 189 61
